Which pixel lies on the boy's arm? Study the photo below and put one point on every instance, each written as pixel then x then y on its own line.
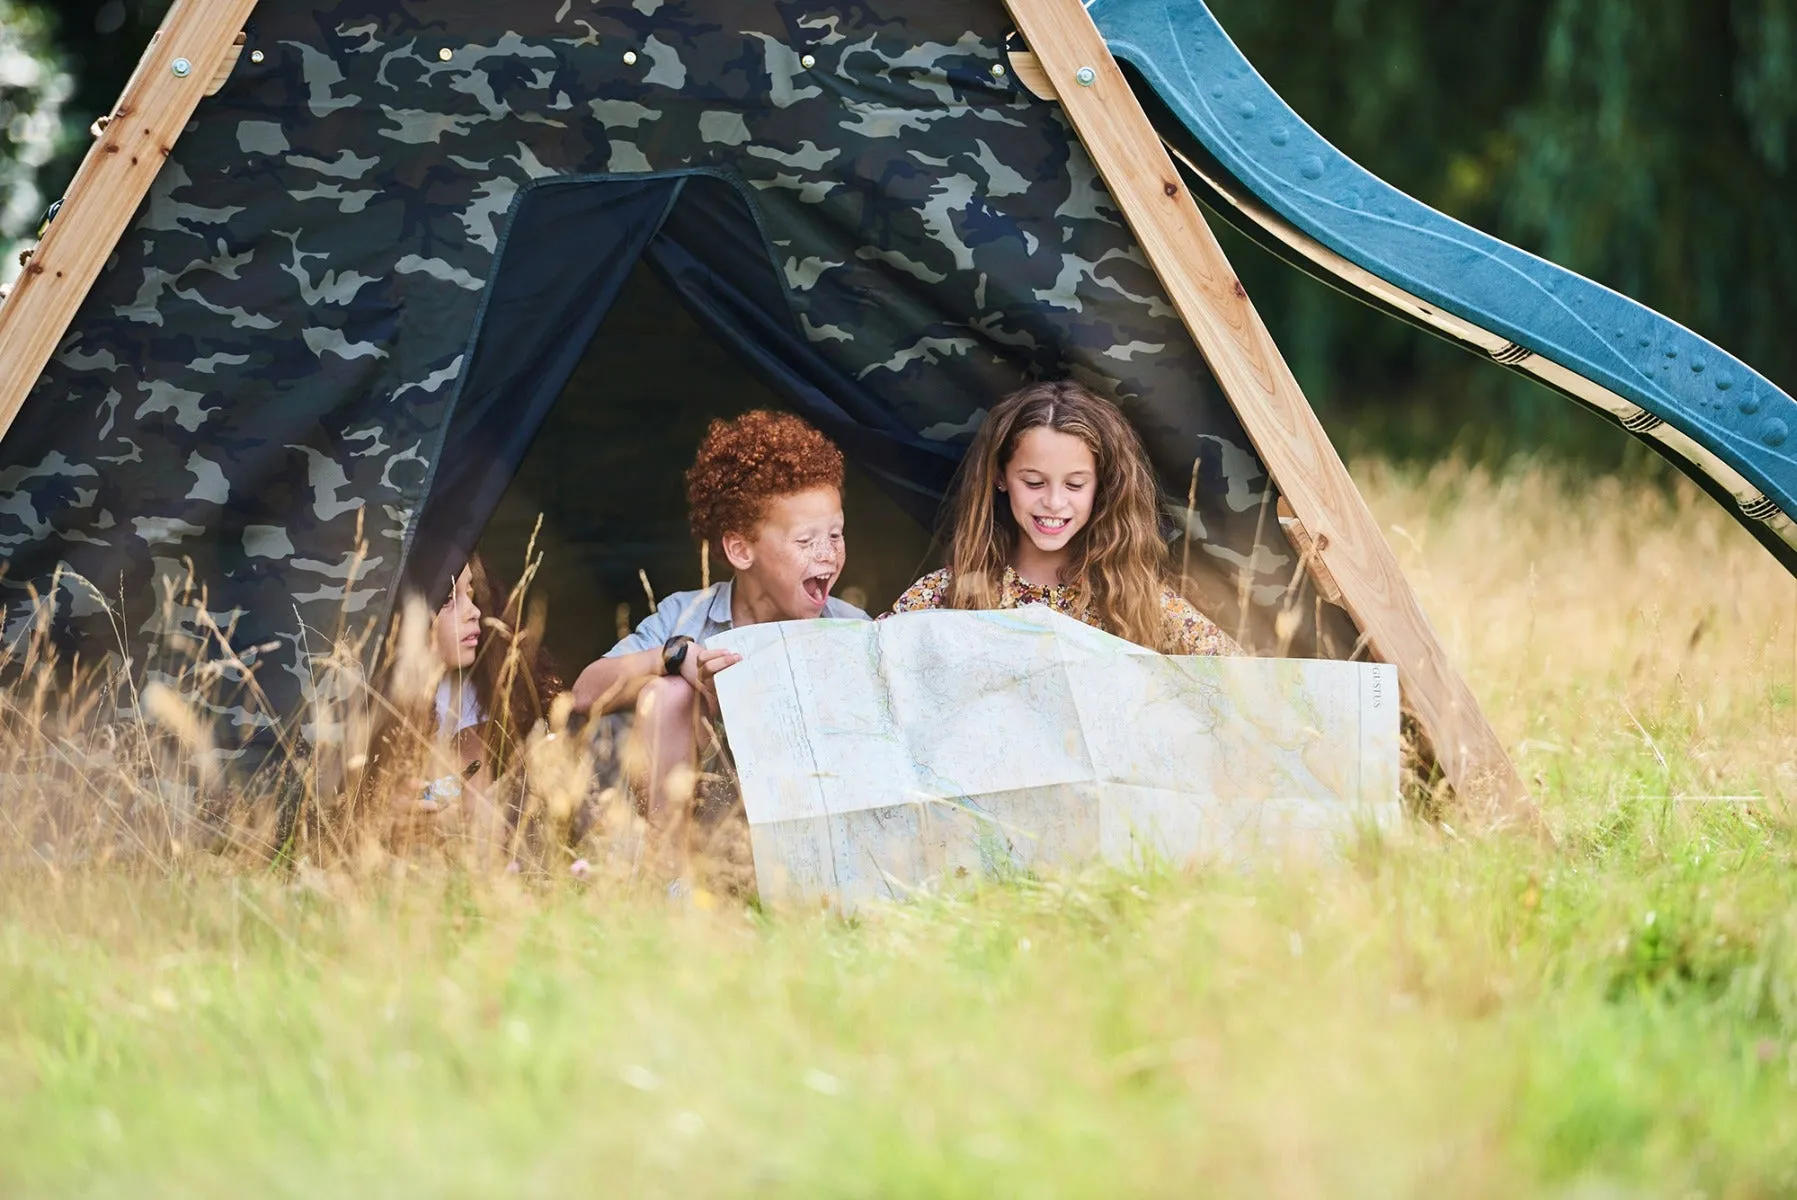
pixel 614 683
pixel 611 684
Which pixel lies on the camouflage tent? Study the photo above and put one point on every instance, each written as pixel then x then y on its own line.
pixel 412 253
pixel 374 259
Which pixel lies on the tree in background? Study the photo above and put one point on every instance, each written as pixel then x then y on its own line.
pixel 101 41
pixel 1648 144
pixel 33 90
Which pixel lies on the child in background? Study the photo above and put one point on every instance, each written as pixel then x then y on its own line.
pixel 1056 504
pixel 439 769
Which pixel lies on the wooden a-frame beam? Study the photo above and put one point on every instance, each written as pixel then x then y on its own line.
pixel 1346 545
pixel 197 40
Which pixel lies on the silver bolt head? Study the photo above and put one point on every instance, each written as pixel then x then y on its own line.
pixel 1086 76
pixel 181 67
pixel 998 70
pixel 445 54
pixel 630 58
pixel 808 61
pixel 257 56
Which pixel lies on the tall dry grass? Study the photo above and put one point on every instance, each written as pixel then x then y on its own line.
pixel 1605 622
pixel 1600 621
pixel 103 769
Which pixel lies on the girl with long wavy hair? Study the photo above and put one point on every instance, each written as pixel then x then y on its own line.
pixel 1056 504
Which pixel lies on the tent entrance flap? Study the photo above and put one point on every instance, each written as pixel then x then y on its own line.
pixel 626 315
pixel 568 250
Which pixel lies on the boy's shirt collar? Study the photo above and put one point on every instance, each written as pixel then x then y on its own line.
pixel 701 614
pixel 718 615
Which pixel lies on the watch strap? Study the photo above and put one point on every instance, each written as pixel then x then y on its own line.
pixel 674 652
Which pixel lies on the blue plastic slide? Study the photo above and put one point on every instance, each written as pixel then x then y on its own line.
pixel 1267 171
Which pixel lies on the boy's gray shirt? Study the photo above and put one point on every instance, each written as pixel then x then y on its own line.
pixel 700 614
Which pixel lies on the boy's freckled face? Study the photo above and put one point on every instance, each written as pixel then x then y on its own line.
pixel 799 551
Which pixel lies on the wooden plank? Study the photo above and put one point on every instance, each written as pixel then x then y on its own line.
pixel 1306 547
pixel 1028 69
pixel 221 74
pixel 1345 539
pixel 113 179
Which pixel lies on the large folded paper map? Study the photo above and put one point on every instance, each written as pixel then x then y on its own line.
pixel 876 757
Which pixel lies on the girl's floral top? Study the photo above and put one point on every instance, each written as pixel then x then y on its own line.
pixel 1189 631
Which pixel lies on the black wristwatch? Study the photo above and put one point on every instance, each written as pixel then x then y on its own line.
pixel 673 653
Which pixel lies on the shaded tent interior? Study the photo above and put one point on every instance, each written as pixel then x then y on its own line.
pixel 625 315
pixel 297 392
pixel 605 474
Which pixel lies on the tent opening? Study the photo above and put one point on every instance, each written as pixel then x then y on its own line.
pixel 623 317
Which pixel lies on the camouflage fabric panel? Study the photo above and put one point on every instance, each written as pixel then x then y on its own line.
pixel 253 396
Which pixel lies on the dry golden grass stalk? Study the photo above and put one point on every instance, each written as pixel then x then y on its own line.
pixel 1598 621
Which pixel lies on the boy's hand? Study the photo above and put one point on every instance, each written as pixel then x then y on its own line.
pixel 701 665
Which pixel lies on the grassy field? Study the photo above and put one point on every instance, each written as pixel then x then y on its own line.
pixel 1444 1014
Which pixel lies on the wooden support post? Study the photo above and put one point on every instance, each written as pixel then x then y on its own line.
pixel 182 64
pixel 1346 547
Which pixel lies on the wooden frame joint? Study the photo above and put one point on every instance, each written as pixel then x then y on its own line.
pixel 227 62
pixel 1028 70
pixel 1310 552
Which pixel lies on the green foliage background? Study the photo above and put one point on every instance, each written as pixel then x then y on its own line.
pixel 32 91
pixel 1648 144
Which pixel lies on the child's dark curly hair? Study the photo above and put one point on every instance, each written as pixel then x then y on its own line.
pixel 743 464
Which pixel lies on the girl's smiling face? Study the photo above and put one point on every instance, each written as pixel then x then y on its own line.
pixel 1051 481
pixel 455 633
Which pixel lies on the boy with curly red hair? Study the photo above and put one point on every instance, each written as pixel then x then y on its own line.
pixel 765 493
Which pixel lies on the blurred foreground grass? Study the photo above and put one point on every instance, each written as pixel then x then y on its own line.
pixel 1438 1015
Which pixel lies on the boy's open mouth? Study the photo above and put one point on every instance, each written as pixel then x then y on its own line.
pixel 817 588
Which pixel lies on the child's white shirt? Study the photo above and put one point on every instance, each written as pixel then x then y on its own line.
pixel 470 714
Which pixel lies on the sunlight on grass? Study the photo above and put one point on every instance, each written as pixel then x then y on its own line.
pixel 1438 1015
